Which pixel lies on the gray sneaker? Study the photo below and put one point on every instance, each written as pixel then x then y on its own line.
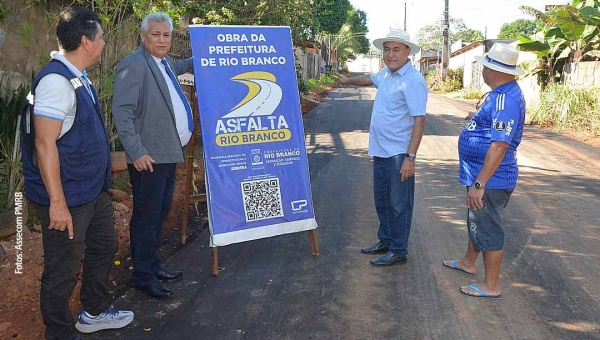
pixel 109 319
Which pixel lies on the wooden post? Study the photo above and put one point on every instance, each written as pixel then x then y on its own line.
pixel 189 196
pixel 189 175
pixel 314 243
pixel 215 261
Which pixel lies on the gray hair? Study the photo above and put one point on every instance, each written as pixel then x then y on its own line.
pixel 156 17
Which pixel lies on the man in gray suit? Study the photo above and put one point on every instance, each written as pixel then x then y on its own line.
pixel 154 122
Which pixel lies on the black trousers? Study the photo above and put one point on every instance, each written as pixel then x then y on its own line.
pixel 152 194
pixel 94 232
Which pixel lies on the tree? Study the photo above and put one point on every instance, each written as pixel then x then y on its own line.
pixel 469 35
pixel 520 26
pixel 346 44
pixel 331 15
pixel 430 36
pixel 296 14
pixel 357 20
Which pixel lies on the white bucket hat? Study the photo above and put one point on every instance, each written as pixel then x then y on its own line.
pixel 502 58
pixel 400 36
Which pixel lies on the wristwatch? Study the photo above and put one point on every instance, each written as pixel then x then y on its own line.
pixel 478 185
pixel 411 156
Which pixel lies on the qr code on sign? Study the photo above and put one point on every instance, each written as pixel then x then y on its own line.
pixel 262 199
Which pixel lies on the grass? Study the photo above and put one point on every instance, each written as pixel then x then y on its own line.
pixel 315 84
pixel 565 108
pixel 470 94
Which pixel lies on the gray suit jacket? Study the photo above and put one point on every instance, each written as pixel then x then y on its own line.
pixel 142 108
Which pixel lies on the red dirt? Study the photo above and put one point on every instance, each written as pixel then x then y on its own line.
pixel 21 318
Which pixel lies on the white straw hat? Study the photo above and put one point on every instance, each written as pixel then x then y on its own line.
pixel 400 36
pixel 502 58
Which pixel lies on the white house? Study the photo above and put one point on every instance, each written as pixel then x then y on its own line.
pixel 364 64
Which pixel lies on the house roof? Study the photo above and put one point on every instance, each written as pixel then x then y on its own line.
pixel 488 44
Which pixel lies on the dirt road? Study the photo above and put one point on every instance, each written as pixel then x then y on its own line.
pixel 274 289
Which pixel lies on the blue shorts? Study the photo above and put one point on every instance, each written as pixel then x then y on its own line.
pixel 485 225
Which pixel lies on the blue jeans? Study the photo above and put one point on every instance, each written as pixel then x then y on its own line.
pixel 152 194
pixel 394 201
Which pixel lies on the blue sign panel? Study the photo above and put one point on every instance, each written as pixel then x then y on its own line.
pixel 258 183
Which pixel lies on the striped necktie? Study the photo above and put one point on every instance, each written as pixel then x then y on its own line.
pixel 188 109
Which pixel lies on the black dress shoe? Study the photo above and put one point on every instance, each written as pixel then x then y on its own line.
pixel 388 259
pixel 165 275
pixel 377 248
pixel 155 289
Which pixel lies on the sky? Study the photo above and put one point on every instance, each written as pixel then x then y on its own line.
pixel 477 15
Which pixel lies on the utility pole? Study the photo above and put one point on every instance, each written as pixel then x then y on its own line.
pixel 446 41
pixel 405 16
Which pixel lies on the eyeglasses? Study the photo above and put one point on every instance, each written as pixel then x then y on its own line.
pixel 481 100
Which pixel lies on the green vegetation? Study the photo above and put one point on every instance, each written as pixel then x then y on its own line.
pixel 430 36
pixel 452 83
pixel 3 14
pixel 470 93
pixel 330 15
pixel 519 26
pixel 357 20
pixel 571 34
pixel 11 104
pixel 433 81
pixel 25 32
pixel 315 84
pixel 567 108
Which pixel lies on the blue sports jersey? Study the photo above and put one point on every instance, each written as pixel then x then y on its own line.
pixel 501 118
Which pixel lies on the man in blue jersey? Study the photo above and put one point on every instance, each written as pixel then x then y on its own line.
pixel 66 167
pixel 487 150
pixel 397 126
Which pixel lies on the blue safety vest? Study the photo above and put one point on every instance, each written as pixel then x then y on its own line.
pixel 83 150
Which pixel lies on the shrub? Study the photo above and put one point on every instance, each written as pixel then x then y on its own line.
pixel 312 84
pixel 11 104
pixel 568 108
pixel 470 93
pixel 453 81
pixel 302 86
pixel 433 81
pixel 327 79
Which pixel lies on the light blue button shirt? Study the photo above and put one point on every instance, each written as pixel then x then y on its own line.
pixel 401 96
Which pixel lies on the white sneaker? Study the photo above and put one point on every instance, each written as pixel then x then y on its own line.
pixel 109 319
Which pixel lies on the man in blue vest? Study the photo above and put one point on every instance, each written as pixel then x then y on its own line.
pixel 67 176
pixel 154 121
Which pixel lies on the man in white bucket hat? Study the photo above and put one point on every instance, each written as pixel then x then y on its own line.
pixel 397 125
pixel 487 149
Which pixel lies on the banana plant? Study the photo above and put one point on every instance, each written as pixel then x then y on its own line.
pixel 571 35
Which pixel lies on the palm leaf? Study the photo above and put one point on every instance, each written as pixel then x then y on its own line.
pixel 538 15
